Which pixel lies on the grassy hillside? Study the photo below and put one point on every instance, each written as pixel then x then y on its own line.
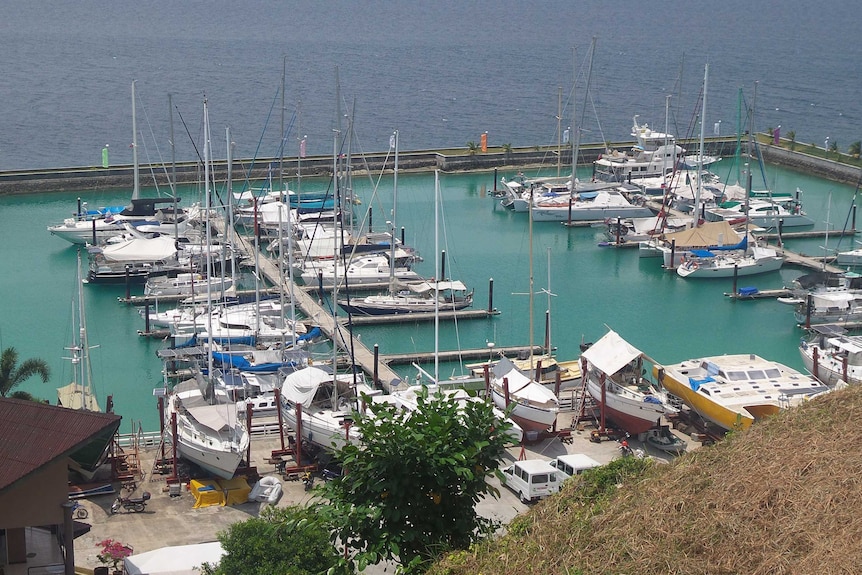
pixel 783 497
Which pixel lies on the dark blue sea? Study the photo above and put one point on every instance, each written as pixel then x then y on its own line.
pixel 442 73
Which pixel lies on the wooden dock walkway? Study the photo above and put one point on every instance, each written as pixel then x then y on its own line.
pixel 458 355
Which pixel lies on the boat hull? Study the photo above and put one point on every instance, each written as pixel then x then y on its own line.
pixel 325 429
pixel 633 416
pixel 746 268
pixel 529 417
pixel 733 391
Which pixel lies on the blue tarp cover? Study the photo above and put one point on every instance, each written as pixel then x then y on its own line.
pixel 703 253
pixel 696 383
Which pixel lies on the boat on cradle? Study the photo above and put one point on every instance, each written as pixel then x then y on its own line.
pixel 832 356
pixel 704 264
pixel 543 368
pixel 589 206
pixel 210 435
pixel 413 297
pixel 654 154
pixel 615 380
pixel 266 490
pixel 533 406
pixel 663 439
pixel 326 403
pixel 408 399
pixel 733 391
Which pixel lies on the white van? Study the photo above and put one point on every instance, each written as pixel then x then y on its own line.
pixel 531 479
pixel 573 464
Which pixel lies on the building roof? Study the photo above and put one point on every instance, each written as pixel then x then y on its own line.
pixel 33 435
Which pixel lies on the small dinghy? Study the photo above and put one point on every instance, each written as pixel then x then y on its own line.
pixel 267 490
pixel 662 438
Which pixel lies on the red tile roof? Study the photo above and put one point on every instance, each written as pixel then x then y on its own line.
pixel 35 434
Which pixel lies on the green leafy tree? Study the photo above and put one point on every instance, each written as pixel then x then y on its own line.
pixel 833 147
pixel 283 540
pixel 855 149
pixel 507 149
pixel 409 492
pixel 12 374
pixel 791 135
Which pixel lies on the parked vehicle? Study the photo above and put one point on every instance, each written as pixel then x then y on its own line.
pixel 573 464
pixel 133 504
pixel 532 479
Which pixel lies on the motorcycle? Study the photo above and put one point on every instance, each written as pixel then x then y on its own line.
pixel 133 504
pixel 308 480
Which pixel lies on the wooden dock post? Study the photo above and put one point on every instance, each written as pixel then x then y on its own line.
pixel 490 295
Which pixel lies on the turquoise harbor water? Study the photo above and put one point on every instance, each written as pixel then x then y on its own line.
pixel 669 318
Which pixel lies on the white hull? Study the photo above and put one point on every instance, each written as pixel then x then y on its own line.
pixel 630 411
pixel 324 428
pixel 728 267
pixel 528 417
pixel 219 451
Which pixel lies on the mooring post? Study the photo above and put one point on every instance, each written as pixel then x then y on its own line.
pixel 490 295
pixel 374 376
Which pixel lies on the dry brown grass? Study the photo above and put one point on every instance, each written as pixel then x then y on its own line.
pixel 784 497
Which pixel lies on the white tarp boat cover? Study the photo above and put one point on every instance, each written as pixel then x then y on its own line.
pixel 301 385
pixel 141 249
pixel 217 417
pixel 426 287
pixel 611 353
pixel 520 385
pixel 177 560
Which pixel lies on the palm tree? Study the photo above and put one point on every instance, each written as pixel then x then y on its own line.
pixel 855 149
pixel 472 148
pixel 11 374
pixel 507 149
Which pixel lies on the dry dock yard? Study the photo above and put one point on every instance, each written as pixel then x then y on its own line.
pixel 171 517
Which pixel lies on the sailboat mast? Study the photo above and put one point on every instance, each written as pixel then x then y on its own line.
pixel 174 169
pixel 394 142
pixel 696 211
pixel 207 204
pixel 437 277
pixel 136 190
pixel 86 378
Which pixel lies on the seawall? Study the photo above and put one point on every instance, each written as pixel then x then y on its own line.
pixel 451 160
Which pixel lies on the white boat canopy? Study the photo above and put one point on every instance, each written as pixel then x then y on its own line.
pixel 611 353
pixel 141 249
pixel 425 287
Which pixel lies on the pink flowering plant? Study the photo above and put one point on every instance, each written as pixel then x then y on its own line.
pixel 113 552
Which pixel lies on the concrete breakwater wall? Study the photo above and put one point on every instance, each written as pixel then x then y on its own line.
pixel 454 160
pixel 821 167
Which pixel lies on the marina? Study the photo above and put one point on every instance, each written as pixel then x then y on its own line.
pixel 591 287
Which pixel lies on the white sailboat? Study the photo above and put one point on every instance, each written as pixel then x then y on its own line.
pixel 208 433
pixel 533 406
pixel 80 393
